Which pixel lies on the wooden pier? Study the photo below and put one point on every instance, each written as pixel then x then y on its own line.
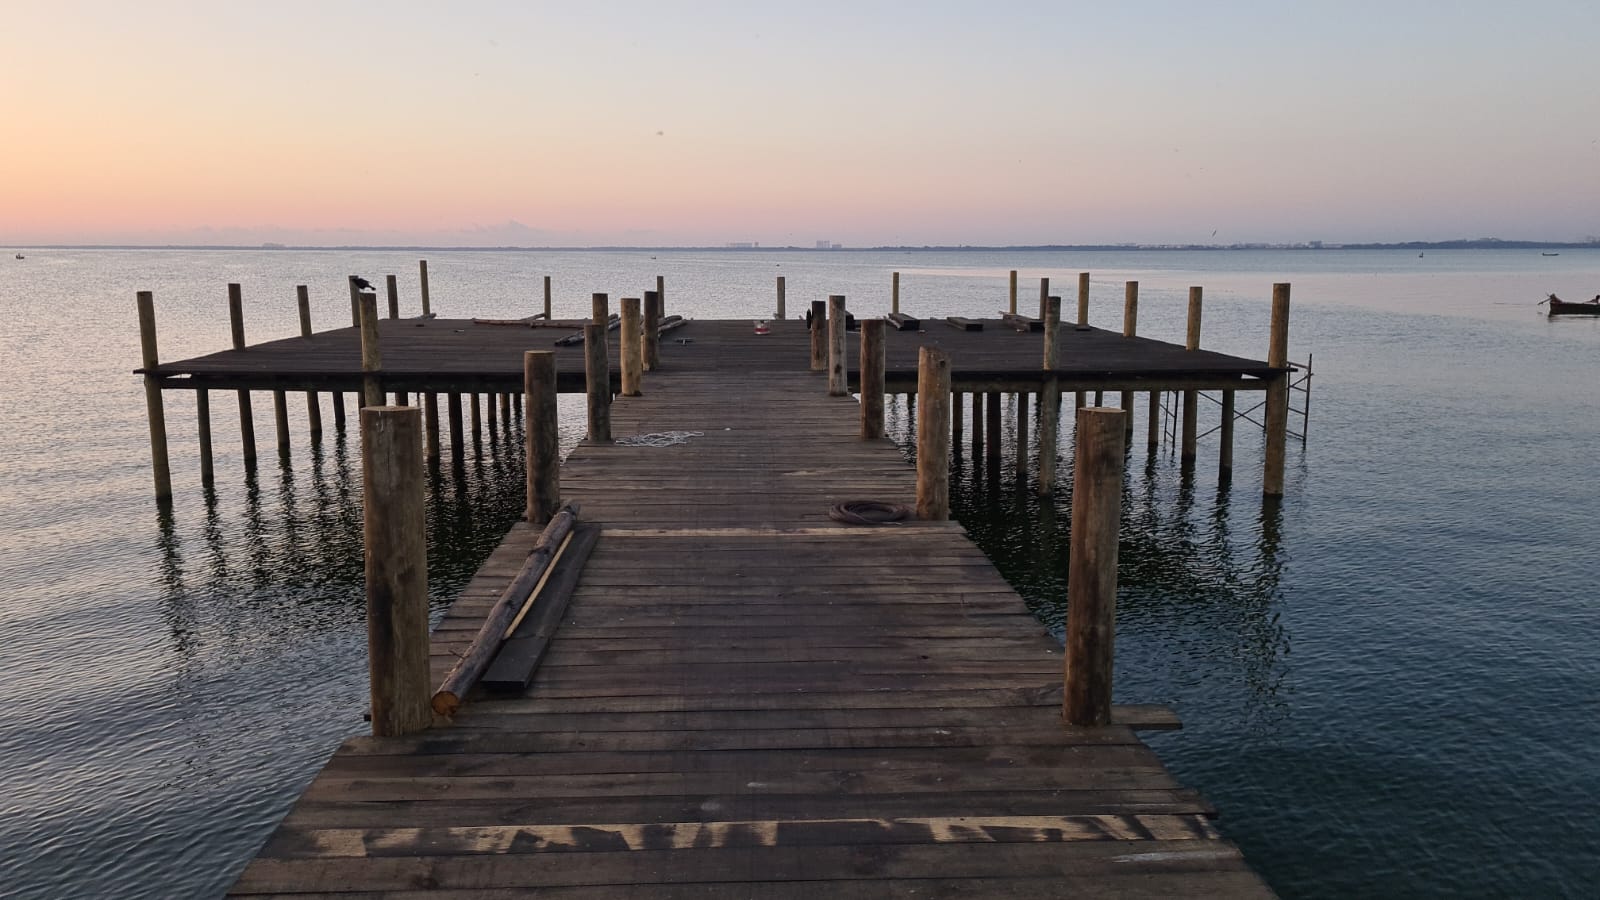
pixel 731 691
pixel 748 699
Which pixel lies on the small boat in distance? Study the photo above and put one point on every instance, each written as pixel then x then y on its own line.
pixel 1560 307
pixel 20 256
pixel 1549 254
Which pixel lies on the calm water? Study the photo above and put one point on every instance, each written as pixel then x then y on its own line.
pixel 1389 681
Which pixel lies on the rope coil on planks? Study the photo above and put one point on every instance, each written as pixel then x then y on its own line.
pixel 869 512
pixel 659 439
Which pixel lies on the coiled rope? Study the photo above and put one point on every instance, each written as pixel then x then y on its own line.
pixel 869 512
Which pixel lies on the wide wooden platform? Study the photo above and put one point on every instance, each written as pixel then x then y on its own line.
pixel 747 699
pixel 457 355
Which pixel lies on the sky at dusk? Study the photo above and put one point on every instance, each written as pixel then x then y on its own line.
pixel 573 124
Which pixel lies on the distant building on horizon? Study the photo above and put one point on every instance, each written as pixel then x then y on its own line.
pixel 827 245
pixel 743 245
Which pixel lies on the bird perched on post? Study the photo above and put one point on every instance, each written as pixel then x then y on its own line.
pixel 361 283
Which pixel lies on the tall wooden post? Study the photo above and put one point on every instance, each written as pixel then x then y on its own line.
pixel 392 288
pixel 597 383
pixel 1277 412
pixel 1092 566
pixel 1044 296
pixel 838 384
pixel 1130 328
pixel 600 309
pixel 396 569
pixel 652 336
pixel 547 313
pixel 661 292
pixel 1083 299
pixel 631 349
pixel 313 404
pixel 1225 438
pixel 894 294
pixel 371 355
pixel 872 378
pixel 155 411
pixel 430 420
pixel 202 415
pixel 933 434
pixel 1011 293
pixel 819 335
pixel 422 271
pixel 781 313
pixel 355 307
pixel 505 409
pixel 247 419
pixel 1190 446
pixel 1049 400
pixel 543 440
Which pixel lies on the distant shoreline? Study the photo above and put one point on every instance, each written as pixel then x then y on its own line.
pixel 1477 244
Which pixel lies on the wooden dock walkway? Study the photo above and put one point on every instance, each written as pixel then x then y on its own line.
pixel 747 699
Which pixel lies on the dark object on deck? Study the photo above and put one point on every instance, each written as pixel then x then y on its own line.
pixel 903 322
pixel 869 512
pixel 963 324
pixel 849 320
pixel 360 282
pixel 1022 323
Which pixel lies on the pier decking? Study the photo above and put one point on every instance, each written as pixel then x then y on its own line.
pixel 745 698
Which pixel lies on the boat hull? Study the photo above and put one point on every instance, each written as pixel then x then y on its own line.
pixel 1563 308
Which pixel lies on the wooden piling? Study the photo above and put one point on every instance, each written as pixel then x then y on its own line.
pixel 894 294
pixel 597 382
pixel 600 309
pixel 547 313
pixel 396 569
pixel 652 337
pixel 632 349
pixel 1049 400
pixel 819 335
pixel 430 419
pixel 489 411
pixel 661 292
pixel 313 404
pixel 1153 434
pixel 505 410
pixel 392 288
pixel 458 435
pixel 1277 411
pixel 475 417
pixel 202 415
pixel 838 384
pixel 1083 299
pixel 280 419
pixel 543 441
pixel 933 434
pixel 1011 293
pixel 338 410
pixel 1130 328
pixel 422 271
pixel 1191 399
pixel 781 314
pixel 1092 566
pixel 1022 434
pixel 1225 437
pixel 956 430
pixel 247 419
pixel 991 425
pixel 1044 296
pixel 873 361
pixel 155 410
pixel 371 355
pixel 977 425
